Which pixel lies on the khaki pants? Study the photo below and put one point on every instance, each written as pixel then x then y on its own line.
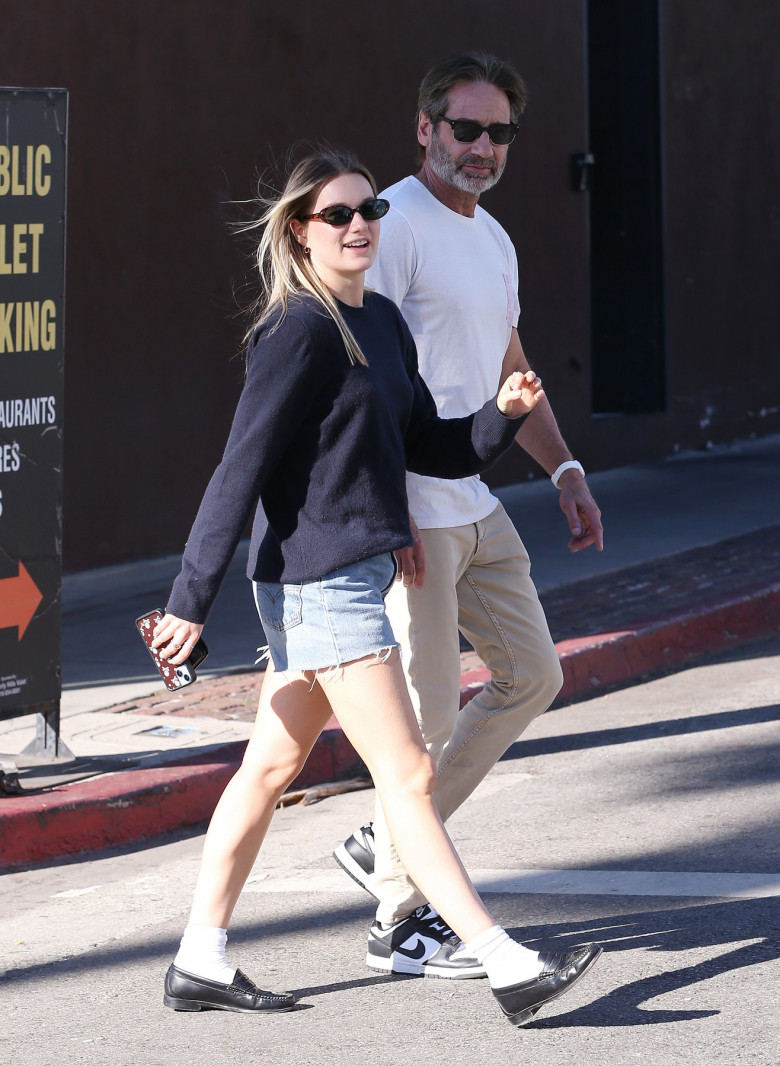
pixel 477 580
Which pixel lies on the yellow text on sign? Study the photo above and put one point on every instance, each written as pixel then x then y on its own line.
pixel 28 327
pixel 20 247
pixel 22 170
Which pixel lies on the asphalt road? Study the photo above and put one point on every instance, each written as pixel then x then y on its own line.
pixel 646 819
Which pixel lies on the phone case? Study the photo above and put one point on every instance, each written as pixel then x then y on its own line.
pixel 175 677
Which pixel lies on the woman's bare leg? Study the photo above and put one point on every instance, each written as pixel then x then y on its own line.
pixel 291 715
pixel 371 701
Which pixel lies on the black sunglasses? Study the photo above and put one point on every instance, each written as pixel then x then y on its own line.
pixel 467 131
pixel 341 215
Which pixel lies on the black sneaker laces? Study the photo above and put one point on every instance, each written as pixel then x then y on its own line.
pixel 434 916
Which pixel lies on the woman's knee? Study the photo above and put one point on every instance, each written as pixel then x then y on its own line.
pixel 427 775
pixel 417 777
pixel 271 775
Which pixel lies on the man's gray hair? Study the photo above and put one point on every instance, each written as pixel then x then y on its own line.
pixel 470 66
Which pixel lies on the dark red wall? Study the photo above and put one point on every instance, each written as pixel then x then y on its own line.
pixel 173 107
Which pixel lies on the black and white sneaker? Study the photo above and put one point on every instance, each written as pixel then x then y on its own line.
pixel 356 856
pixel 420 944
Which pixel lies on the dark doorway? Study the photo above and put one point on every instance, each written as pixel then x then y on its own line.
pixel 627 320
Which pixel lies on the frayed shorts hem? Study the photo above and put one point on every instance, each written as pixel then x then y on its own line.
pixel 381 655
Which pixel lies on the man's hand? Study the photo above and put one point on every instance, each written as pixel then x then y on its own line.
pixel 411 561
pixel 581 511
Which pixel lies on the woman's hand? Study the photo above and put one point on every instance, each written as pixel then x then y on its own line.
pixel 175 638
pixel 519 394
pixel 411 561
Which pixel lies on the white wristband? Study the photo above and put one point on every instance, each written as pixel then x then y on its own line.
pixel 571 464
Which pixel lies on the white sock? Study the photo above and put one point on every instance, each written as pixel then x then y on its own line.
pixel 506 962
pixel 202 952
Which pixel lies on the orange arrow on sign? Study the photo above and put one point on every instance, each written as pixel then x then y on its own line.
pixel 19 599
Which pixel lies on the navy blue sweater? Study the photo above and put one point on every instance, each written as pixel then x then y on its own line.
pixel 323 445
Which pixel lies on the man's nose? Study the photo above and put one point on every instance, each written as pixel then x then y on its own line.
pixel 482 145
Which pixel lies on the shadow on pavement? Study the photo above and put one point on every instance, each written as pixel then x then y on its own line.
pixel 632 734
pixel 702 926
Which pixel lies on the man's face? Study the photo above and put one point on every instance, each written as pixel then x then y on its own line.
pixel 472 168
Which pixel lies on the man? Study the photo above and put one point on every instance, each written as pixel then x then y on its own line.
pixel 452 270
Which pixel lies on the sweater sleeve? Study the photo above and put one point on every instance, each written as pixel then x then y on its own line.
pixel 452 447
pixel 277 393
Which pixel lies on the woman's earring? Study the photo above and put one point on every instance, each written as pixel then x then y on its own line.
pixel 306 251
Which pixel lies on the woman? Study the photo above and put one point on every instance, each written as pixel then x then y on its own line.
pixel 332 413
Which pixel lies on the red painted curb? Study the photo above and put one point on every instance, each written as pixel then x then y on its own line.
pixel 595 662
pixel 133 805
pixel 592 663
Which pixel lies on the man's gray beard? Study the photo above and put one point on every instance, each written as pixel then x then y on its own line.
pixel 445 168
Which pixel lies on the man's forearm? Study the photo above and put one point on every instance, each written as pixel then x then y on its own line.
pixel 539 434
pixel 540 437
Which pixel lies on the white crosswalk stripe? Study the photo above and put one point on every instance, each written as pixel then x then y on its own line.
pixel 562 883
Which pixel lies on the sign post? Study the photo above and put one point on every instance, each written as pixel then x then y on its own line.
pixel 33 168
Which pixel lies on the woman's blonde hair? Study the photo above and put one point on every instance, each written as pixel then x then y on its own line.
pixel 284 268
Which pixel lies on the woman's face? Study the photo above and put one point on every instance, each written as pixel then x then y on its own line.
pixel 340 254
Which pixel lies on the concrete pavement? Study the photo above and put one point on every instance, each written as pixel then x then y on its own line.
pixel 691 565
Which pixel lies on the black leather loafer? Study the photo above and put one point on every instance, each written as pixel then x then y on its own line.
pixel 521 1002
pixel 185 991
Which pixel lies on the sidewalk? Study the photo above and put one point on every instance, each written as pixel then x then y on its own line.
pixel 691 565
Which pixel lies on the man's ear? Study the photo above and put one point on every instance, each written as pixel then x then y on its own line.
pixel 424 129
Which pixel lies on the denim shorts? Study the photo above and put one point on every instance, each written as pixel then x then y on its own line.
pixel 331 621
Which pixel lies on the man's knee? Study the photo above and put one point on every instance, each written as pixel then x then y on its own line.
pixel 536 681
pixel 545 675
pixel 552 678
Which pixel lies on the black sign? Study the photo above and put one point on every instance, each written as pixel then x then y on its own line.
pixel 33 147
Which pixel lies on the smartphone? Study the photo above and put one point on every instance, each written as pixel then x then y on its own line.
pixel 173 676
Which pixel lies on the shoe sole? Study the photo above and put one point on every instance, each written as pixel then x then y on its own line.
pixel 453 975
pixel 408 967
pixel 195 1005
pixel 524 1017
pixel 351 869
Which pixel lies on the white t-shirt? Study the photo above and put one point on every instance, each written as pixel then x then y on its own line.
pixel 455 280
